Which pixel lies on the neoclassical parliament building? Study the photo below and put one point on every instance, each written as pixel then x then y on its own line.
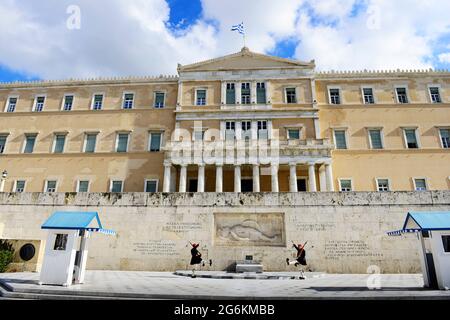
pixel 244 122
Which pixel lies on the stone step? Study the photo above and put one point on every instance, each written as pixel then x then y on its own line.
pixel 246 267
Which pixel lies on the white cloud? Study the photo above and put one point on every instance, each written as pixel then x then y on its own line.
pixel 444 57
pixel 391 35
pixel 131 37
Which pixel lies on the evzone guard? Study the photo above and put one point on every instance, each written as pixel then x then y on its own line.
pixel 196 258
pixel 301 257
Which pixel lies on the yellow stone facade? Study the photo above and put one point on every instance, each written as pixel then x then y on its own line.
pixel 388 144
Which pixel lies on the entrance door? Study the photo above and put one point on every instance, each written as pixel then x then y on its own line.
pixel 247 185
pixel 192 185
pixel 301 185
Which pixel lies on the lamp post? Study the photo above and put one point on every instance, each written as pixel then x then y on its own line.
pixel 2 182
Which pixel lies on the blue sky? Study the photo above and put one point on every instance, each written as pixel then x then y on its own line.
pixel 149 37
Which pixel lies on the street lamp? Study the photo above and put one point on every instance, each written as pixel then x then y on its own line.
pixel 2 182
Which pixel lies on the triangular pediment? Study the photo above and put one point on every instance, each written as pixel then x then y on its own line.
pixel 245 60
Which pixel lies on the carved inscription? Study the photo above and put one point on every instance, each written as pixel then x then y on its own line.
pixel 156 248
pixel 182 226
pixel 341 249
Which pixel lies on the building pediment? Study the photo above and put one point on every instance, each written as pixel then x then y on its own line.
pixel 245 60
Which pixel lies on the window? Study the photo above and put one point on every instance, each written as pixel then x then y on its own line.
pixel 246 130
pixel 375 139
pixel 155 141
pixel 245 93
pixel 411 139
pixel 3 142
pixel 201 97
pixel 128 99
pixel 446 243
pixel 83 186
pixel 335 96
pixel 368 96
pixel 97 103
pixel 293 134
pixel 402 95
pixel 230 127
pixel 262 130
pixel 159 99
pixel 30 140
pixel 20 186
pixel 68 102
pixel 151 185
pixel 383 185
pixel 60 242
pixel 291 96
pixel 444 133
pixel 230 94
pixel 345 185
pixel 199 134
pixel 260 92
pixel 116 186
pixel 435 95
pixel 58 145
pixel 340 139
pixel 90 142
pixel 50 186
pixel 420 184
pixel 39 103
pixel 11 105
pixel 122 142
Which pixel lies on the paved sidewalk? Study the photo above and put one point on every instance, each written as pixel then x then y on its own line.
pixel 166 285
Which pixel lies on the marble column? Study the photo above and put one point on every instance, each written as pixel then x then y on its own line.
pixel 322 179
pixel 293 177
pixel 219 178
pixel 237 178
pixel 312 177
pixel 201 178
pixel 256 184
pixel 166 183
pixel 183 178
pixel 329 177
pixel 274 177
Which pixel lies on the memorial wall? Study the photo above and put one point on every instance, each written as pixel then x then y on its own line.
pixel 346 232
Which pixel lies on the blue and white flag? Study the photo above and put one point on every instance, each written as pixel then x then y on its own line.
pixel 239 28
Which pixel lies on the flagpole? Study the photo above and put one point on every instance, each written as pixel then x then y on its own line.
pixel 243 34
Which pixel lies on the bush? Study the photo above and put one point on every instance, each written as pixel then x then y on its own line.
pixel 6 254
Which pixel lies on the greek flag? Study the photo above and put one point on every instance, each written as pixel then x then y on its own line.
pixel 239 28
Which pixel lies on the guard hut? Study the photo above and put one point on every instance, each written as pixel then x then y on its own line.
pixel 433 232
pixel 66 248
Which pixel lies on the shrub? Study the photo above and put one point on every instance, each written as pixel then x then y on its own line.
pixel 6 254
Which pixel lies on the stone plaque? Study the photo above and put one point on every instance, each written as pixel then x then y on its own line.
pixel 249 229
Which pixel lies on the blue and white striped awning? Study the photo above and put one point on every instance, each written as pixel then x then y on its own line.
pixel 402 231
pixel 104 231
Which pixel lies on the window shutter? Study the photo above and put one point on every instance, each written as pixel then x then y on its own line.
pixel 122 143
pixel 341 143
pixel 375 136
pixel 155 142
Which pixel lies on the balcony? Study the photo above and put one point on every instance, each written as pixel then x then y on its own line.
pixel 248 151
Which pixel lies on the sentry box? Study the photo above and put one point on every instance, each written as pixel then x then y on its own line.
pixel 433 232
pixel 66 248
